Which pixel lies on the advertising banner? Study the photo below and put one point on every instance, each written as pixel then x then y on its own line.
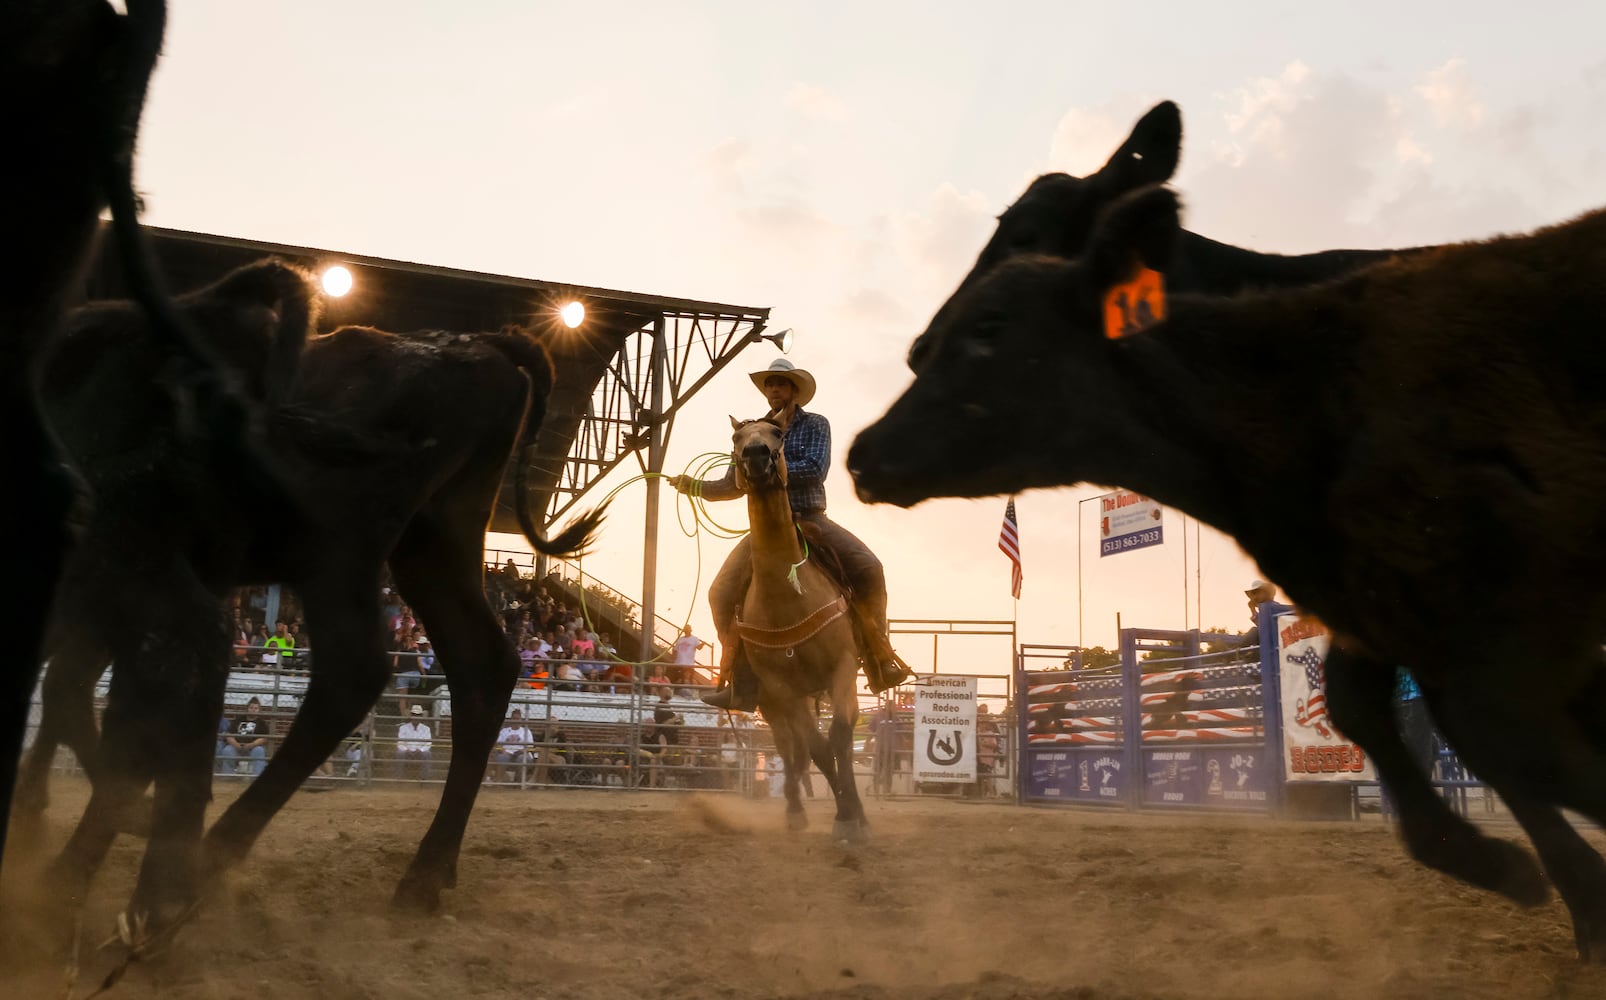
pixel 945 729
pixel 1128 521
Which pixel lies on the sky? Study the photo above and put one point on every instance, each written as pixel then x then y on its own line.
pixel 842 164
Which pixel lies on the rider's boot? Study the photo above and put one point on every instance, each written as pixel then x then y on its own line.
pixel 740 693
pixel 883 667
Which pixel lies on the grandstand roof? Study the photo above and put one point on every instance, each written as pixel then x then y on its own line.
pixel 600 408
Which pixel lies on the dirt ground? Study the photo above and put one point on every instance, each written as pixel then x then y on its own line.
pixel 588 895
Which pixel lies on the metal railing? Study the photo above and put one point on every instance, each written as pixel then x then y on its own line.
pixel 598 596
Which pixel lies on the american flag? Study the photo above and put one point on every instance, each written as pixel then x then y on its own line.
pixel 1009 544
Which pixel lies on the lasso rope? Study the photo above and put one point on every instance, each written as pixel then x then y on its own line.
pixel 698 470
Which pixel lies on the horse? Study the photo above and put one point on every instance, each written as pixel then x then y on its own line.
pixel 794 622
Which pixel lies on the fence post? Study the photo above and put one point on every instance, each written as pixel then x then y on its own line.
pixel 1131 718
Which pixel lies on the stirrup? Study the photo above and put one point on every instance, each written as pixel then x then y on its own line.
pixel 726 699
pixel 887 674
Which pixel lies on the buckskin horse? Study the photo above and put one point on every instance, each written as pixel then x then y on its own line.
pixel 794 622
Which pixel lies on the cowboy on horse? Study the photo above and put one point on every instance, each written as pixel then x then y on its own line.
pixel 807 451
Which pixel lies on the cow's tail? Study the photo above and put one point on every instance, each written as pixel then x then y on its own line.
pixel 578 537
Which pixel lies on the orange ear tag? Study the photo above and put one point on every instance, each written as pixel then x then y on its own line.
pixel 1134 305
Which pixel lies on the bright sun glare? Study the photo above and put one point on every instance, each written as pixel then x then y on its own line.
pixel 573 314
pixel 337 281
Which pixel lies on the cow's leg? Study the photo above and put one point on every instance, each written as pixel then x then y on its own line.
pixel 37 532
pixel 67 716
pixel 180 734
pixel 1360 696
pixel 122 781
pixel 439 569
pixel 1550 752
pixel 350 672
pixel 1503 762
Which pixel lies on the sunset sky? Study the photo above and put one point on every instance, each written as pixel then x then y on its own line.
pixel 842 164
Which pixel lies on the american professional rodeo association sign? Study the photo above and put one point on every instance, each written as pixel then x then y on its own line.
pixel 1313 750
pixel 945 729
pixel 1128 521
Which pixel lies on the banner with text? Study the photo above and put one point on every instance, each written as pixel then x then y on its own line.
pixel 1312 748
pixel 945 729
pixel 1128 521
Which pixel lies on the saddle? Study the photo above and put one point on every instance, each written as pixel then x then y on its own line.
pixel 827 561
pixel 825 558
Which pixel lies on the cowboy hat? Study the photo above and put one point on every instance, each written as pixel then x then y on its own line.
pixel 800 379
pixel 1261 586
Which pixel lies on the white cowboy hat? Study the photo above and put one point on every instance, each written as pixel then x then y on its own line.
pixel 800 378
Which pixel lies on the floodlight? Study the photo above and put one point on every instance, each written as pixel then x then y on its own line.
pixel 336 281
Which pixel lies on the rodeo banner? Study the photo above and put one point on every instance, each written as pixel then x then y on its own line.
pixel 1312 749
pixel 945 729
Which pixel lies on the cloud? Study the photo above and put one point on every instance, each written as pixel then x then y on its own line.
pixel 728 165
pixel 1449 93
pixel 939 242
pixel 1263 101
pixel 816 103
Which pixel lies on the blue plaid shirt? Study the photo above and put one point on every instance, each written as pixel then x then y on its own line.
pixel 808 458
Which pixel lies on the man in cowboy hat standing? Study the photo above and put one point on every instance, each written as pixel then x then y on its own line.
pixel 808 459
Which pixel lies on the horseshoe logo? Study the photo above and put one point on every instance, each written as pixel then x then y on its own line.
pixel 950 749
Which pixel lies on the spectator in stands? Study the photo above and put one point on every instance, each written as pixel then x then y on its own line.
pixel 529 652
pixel 686 647
pixel 279 643
pixel 302 640
pixel 245 738
pixel 413 741
pixel 404 667
pixel 513 745
pixel 569 672
pixel 657 677
pixel 259 641
pixel 584 647
pixel 426 654
pixel 662 735
pixel 537 681
pixel 620 676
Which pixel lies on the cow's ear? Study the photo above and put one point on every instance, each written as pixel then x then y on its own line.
pixel 1149 155
pixel 1139 231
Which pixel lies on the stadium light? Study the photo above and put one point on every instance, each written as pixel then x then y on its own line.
pixel 336 281
pixel 782 340
pixel 574 313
